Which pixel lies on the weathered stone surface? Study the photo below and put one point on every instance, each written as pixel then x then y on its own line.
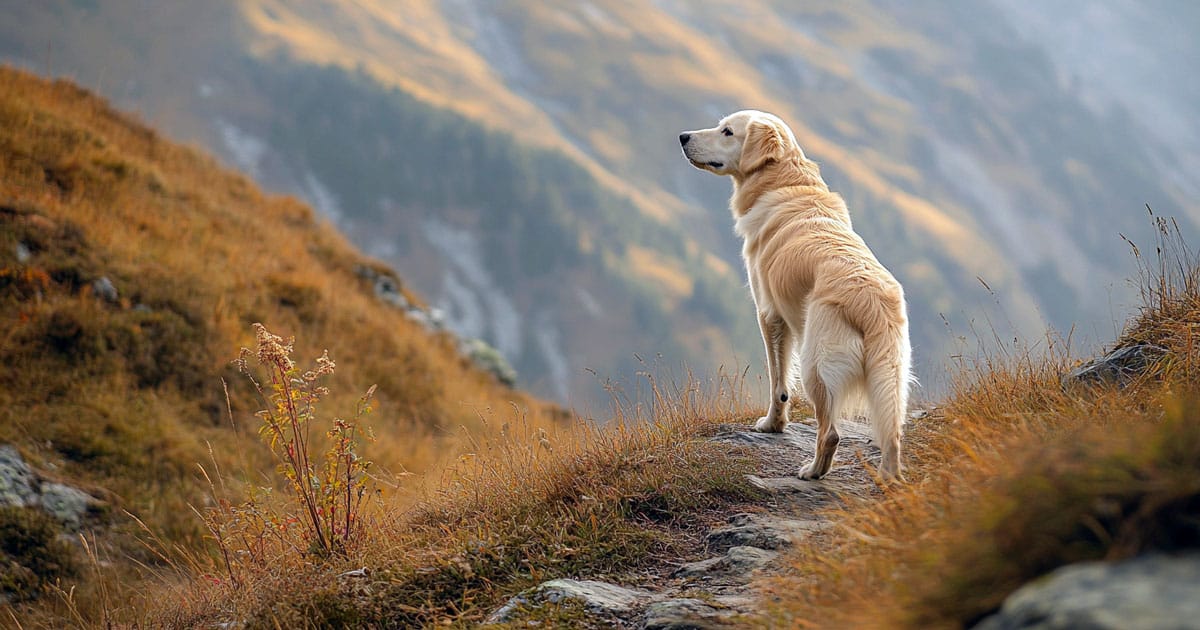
pixel 737 561
pixel 795 485
pixel 684 614
pixel 764 532
pixel 1117 367
pixel 796 434
pixel 104 288
pixel 20 486
pixel 68 505
pixel 1154 592
pixel 16 479
pixel 598 597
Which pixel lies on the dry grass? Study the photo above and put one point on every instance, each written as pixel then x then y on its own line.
pixel 523 507
pixel 124 397
pixel 1019 475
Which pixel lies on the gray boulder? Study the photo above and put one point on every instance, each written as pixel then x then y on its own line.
pixel 764 532
pixel 68 505
pixel 1153 592
pixel 600 598
pixel 738 561
pixel 685 614
pixel 20 486
pixel 16 479
pixel 104 288
pixel 1117 367
pixel 489 359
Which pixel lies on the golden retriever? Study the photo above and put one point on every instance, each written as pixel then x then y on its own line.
pixel 815 284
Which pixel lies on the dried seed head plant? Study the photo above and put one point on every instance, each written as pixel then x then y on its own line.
pixel 328 484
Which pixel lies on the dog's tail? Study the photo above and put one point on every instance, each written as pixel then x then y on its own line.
pixel 887 366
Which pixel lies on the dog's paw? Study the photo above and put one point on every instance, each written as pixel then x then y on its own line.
pixel 889 477
pixel 766 424
pixel 810 472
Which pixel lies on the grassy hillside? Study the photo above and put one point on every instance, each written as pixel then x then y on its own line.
pixel 1015 475
pixel 131 270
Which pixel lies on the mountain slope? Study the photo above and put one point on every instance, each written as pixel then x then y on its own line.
pixel 131 270
pixel 964 151
pixel 977 158
pixel 549 260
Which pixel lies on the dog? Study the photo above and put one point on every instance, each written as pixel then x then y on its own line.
pixel 822 297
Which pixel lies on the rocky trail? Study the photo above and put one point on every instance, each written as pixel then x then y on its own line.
pixel 717 589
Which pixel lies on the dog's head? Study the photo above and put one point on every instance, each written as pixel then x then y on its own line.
pixel 742 143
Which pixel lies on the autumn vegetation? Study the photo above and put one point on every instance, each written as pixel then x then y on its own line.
pixel 250 492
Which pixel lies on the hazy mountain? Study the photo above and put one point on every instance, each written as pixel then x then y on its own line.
pixel 517 160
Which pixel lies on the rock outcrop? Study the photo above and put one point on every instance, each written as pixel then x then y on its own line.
pixel 22 487
pixel 1153 592
pixel 1118 367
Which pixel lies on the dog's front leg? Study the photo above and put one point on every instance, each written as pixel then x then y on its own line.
pixel 777 337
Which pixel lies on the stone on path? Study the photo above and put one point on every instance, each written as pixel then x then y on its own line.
pixel 737 562
pixel 597 597
pixel 685 614
pixel 765 532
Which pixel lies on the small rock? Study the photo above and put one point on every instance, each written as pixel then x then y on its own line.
pixel 737 561
pixel 750 530
pixel 919 414
pixel 598 597
pixel 796 485
pixel 16 479
pixel 388 290
pixel 1117 367
pixel 1150 592
pixel 20 486
pixel 683 614
pixel 103 288
pixel 489 359
pixel 23 252
pixel 438 317
pixel 386 286
pixel 68 505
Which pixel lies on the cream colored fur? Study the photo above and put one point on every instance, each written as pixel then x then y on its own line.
pixel 823 300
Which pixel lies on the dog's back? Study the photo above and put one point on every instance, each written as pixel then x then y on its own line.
pixel 819 276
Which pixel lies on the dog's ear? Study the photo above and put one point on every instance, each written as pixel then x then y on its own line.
pixel 764 143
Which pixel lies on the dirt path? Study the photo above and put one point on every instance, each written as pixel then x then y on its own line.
pixel 718 589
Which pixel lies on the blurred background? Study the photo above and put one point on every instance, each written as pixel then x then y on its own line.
pixel 516 160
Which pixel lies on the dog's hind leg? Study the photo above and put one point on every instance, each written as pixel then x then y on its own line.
pixel 827 433
pixel 777 337
pixel 831 366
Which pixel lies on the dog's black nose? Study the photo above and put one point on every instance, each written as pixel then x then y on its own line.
pixel 683 139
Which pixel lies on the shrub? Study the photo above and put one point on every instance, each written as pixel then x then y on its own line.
pixel 327 487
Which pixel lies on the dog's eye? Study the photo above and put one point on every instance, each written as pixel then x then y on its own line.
pixel 727 131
